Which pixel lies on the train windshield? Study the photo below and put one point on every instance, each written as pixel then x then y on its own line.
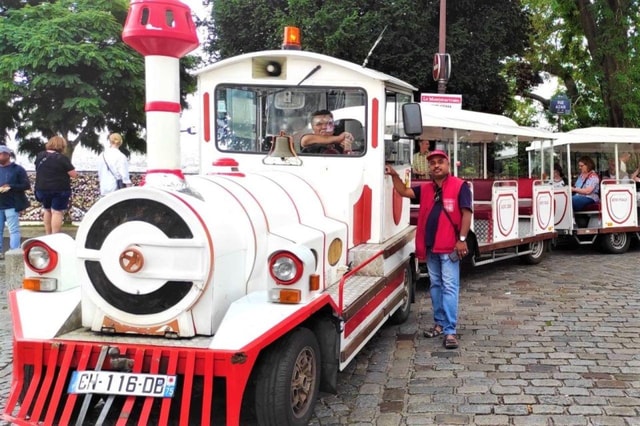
pixel 249 117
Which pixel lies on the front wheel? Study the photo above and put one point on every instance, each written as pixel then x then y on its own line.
pixel 288 380
pixel 538 252
pixel 402 313
pixel 616 243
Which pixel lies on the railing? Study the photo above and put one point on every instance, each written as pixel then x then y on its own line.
pixel 351 273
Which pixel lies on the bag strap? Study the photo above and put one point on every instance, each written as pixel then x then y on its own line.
pixel 42 160
pixel 455 228
pixel 584 182
pixel 109 168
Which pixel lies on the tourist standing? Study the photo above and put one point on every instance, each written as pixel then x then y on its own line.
pixel 53 183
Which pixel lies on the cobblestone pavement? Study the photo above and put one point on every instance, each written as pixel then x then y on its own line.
pixel 552 344
pixel 5 342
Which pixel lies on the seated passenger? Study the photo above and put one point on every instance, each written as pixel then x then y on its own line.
pixel 558 176
pixel 610 173
pixel 420 165
pixel 624 159
pixel 322 140
pixel 587 187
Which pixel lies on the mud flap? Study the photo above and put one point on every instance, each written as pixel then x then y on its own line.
pixel 328 336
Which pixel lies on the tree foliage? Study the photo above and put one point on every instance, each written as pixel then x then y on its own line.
pixel 481 35
pixel 65 70
pixel 591 47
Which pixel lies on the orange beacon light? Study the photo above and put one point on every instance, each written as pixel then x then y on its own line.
pixel 291 38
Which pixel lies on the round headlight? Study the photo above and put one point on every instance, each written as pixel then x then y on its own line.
pixel 285 268
pixel 40 257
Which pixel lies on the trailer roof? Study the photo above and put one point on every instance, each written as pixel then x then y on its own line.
pixel 597 136
pixel 439 123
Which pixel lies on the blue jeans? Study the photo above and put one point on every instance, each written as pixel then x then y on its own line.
pixel 12 218
pixel 579 201
pixel 444 275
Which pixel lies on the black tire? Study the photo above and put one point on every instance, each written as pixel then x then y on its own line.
pixel 401 315
pixel 538 252
pixel 288 380
pixel 616 243
pixel 467 262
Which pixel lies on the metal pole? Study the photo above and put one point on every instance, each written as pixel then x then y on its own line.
pixel 442 43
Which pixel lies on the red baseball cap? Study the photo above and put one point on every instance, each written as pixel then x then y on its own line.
pixel 437 153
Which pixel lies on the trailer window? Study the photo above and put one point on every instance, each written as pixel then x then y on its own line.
pixel 249 117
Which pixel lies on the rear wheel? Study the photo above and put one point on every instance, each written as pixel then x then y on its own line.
pixel 288 380
pixel 538 252
pixel 615 243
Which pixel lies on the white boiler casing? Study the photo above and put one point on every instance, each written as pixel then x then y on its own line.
pixel 163 262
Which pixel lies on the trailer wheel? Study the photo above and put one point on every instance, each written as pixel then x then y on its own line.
pixel 538 252
pixel 288 380
pixel 616 243
pixel 402 313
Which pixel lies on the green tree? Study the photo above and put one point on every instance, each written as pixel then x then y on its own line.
pixel 65 70
pixel 481 36
pixel 591 47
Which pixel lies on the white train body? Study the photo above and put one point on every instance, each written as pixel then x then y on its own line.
pixel 270 258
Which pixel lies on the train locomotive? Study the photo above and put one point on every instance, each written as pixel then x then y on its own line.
pixel 238 291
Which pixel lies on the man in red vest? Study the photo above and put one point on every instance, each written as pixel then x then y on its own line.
pixel 444 220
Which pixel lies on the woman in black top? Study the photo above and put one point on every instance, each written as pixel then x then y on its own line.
pixel 53 183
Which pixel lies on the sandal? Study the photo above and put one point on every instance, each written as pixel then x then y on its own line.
pixel 434 331
pixel 451 342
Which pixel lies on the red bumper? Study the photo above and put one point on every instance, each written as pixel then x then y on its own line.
pixel 42 369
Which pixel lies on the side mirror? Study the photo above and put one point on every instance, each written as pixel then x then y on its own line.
pixel 412 119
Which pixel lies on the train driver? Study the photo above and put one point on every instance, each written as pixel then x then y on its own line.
pixel 323 140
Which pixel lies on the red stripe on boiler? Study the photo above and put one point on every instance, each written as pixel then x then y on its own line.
pixel 162 106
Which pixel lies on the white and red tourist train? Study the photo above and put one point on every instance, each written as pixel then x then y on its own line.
pixel 241 291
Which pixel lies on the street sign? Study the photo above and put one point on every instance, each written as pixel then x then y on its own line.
pixel 560 104
pixel 442 100
pixel 441 66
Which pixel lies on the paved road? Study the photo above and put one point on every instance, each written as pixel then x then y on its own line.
pixel 553 344
pixel 5 342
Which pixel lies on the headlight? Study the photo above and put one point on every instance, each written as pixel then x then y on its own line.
pixel 285 268
pixel 39 257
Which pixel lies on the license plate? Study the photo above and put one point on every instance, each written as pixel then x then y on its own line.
pixel 117 383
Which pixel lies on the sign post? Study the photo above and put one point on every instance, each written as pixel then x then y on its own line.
pixel 560 105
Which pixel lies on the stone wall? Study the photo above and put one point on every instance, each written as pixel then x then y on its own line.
pixel 85 192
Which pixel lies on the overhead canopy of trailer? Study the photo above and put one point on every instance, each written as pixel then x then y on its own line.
pixel 608 141
pixel 447 124
pixel 598 137
pixel 610 135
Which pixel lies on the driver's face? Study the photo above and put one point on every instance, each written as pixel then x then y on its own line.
pixel 322 125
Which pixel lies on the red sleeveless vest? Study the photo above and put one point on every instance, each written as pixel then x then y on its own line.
pixel 446 234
